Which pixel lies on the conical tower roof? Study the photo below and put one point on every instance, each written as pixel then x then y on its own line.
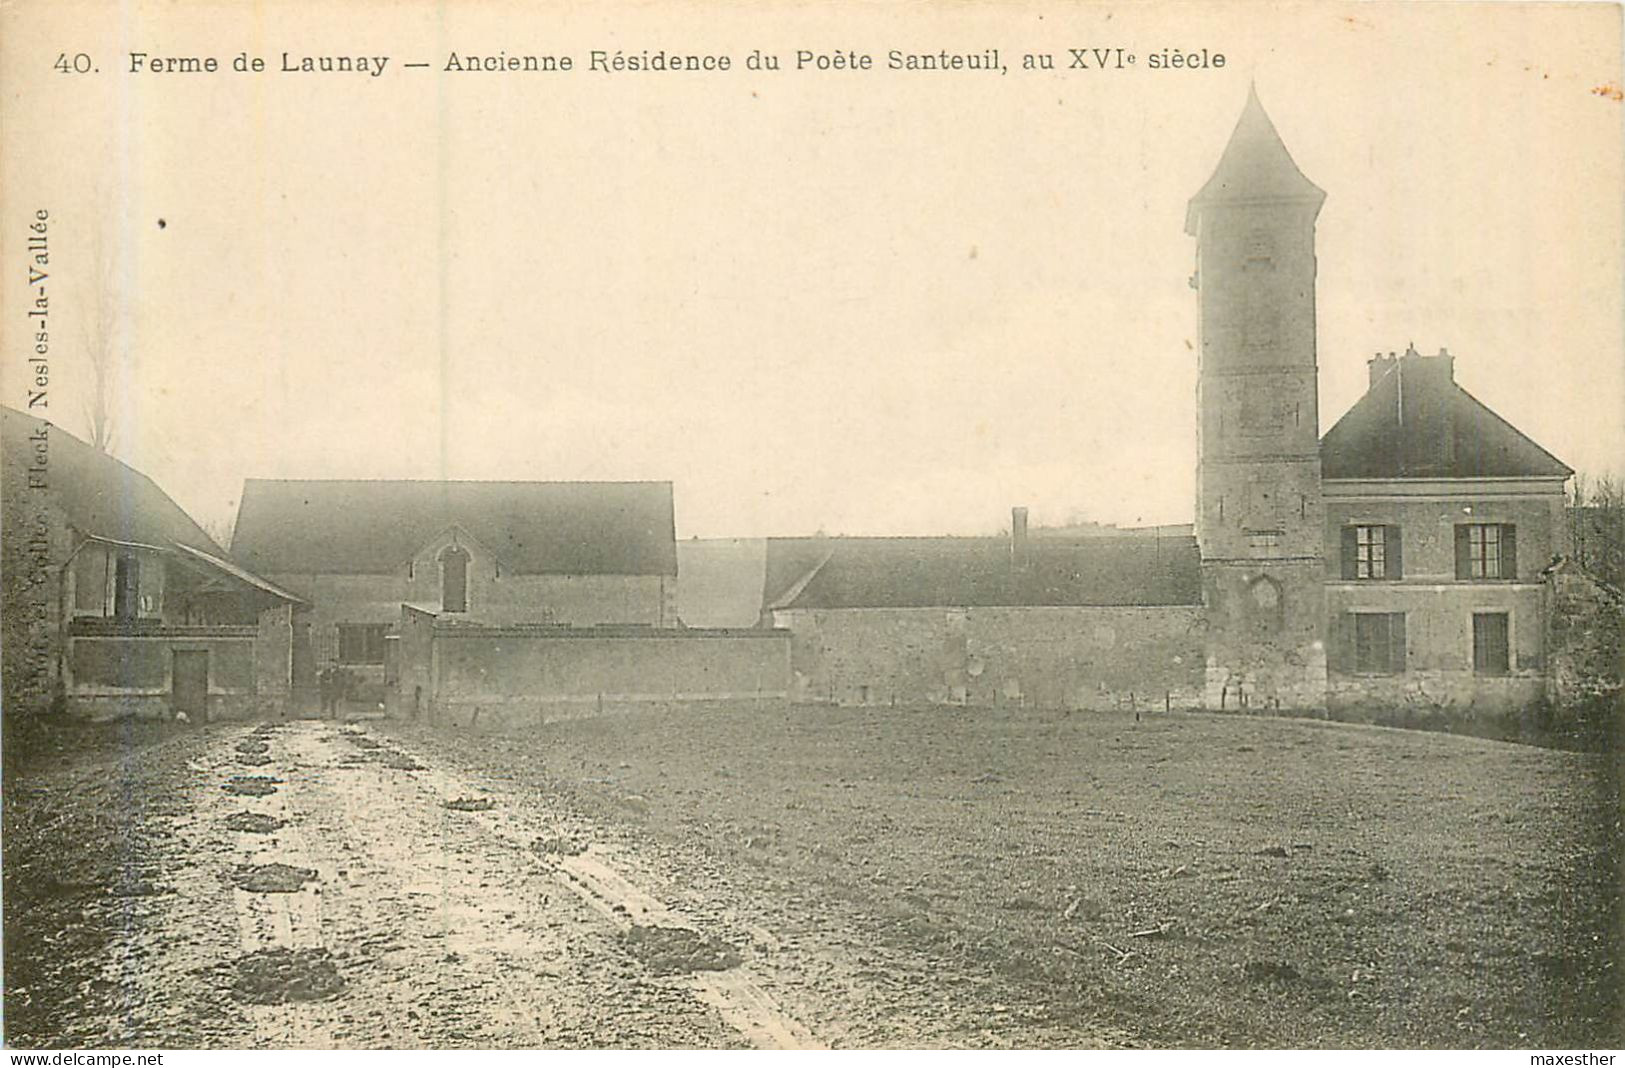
pixel 1255 167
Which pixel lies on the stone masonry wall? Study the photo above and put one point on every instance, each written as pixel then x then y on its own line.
pixel 1050 657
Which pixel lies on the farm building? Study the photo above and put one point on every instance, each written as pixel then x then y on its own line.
pixel 1084 621
pixel 573 554
pixel 116 602
pixel 1400 560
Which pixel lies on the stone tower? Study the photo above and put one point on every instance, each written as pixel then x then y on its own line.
pixel 1260 521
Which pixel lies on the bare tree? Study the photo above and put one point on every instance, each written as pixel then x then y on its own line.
pixel 1597 519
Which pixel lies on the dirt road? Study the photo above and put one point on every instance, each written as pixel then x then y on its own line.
pixel 788 877
pixel 325 888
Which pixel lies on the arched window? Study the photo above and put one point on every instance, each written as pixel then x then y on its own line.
pixel 454 580
pixel 1264 595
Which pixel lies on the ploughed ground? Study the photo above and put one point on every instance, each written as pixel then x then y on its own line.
pixel 774 875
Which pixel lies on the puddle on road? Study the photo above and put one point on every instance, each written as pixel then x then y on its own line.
pixel 253 823
pixel 272 878
pixel 678 950
pixel 560 846
pixel 277 976
pixel 251 785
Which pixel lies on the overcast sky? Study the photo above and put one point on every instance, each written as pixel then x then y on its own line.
pixel 861 302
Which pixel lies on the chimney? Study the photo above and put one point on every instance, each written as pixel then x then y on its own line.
pixel 1426 416
pixel 1380 365
pixel 1018 539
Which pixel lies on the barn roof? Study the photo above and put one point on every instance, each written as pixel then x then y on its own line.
pixel 99 495
pixel 1415 421
pixel 315 526
pixel 979 572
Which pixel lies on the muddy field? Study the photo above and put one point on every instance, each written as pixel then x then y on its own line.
pixel 778 876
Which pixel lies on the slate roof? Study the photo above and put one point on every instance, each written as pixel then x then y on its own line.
pixel 99 495
pixel 1416 422
pixel 978 572
pixel 373 527
pixel 1255 166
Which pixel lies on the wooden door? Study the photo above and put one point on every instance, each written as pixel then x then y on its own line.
pixel 190 691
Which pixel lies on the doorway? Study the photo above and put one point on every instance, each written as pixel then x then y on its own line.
pixel 189 692
pixel 454 580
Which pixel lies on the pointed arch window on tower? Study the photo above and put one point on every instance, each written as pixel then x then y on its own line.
pixel 1264 597
pixel 454 579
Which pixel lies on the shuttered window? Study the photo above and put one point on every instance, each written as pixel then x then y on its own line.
pixel 1371 551
pixel 1486 551
pixel 1378 643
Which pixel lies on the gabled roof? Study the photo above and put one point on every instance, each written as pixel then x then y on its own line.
pixel 100 496
pixel 1416 422
pixel 373 527
pixel 979 572
pixel 236 574
pixel 1255 167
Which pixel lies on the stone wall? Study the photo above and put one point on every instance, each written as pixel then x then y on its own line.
pixel 1586 633
pixel 112 674
pixel 1049 657
pixel 1265 647
pixel 460 674
pixel 573 600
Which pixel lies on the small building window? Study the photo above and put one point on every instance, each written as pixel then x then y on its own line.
pixel 1263 541
pixel 1371 552
pixel 1486 551
pixel 1379 643
pixel 362 643
pixel 1491 633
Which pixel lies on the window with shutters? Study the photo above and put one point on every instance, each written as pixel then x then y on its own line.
pixel 1491 633
pixel 1486 551
pixel 1379 643
pixel 1371 552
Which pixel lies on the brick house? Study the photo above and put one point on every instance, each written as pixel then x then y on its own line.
pixel 116 602
pixel 576 554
